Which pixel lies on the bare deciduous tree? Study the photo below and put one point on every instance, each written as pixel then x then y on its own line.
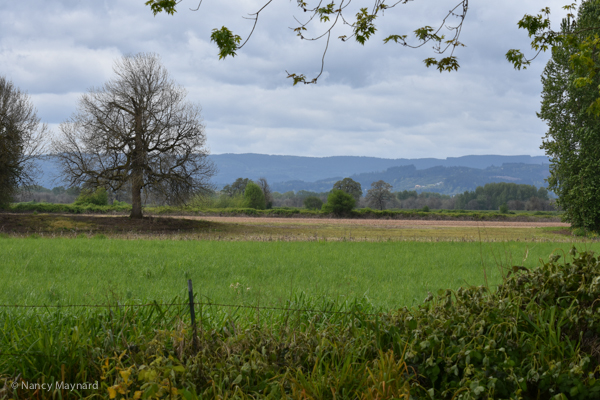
pixel 379 194
pixel 137 130
pixel 21 140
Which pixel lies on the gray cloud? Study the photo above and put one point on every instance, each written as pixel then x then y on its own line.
pixel 376 100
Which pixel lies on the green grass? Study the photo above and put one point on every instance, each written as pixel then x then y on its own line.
pixel 536 337
pixel 390 275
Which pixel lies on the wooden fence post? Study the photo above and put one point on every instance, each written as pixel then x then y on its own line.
pixel 193 315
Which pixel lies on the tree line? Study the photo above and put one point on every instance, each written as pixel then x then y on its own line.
pixel 491 196
pixel 245 193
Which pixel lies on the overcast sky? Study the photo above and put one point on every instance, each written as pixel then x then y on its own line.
pixel 377 100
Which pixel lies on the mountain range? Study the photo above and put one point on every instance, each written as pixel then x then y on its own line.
pixel 449 176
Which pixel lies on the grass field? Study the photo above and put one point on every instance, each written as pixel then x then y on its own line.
pixel 369 347
pixel 390 275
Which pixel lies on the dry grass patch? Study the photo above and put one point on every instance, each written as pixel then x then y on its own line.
pixel 279 229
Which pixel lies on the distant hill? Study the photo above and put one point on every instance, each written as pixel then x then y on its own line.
pixel 285 173
pixel 312 169
pixel 445 180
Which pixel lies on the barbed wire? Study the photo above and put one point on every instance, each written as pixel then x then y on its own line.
pixel 89 305
pixel 27 354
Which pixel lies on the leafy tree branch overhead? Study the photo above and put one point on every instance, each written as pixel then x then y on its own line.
pixel 360 25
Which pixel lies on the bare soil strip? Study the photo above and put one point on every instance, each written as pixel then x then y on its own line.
pixel 384 223
pixel 281 229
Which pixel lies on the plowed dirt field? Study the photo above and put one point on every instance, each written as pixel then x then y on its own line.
pixel 382 223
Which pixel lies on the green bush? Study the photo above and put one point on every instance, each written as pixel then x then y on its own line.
pixel 533 338
pixel 581 232
pixel 503 208
pixel 313 203
pixel 254 196
pixel 68 208
pixel 98 197
pixel 339 203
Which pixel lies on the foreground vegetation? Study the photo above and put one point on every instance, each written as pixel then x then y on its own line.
pixel 536 337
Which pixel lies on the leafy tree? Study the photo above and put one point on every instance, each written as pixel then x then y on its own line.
pixel 266 189
pixel 492 195
pixel 58 190
pixel 349 186
pixel 254 196
pixel 137 130
pixel 339 203
pixel 21 138
pixel 379 194
pixel 236 188
pixel 406 194
pixel 573 138
pixel 313 203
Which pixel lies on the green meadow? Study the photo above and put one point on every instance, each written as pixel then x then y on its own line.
pixel 352 319
pixel 390 275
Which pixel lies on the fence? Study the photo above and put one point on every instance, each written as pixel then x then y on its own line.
pixel 191 304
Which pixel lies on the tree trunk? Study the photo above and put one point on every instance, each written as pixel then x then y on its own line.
pixel 137 174
pixel 136 195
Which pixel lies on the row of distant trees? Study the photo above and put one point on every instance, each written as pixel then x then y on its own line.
pixel 244 192
pixel 491 196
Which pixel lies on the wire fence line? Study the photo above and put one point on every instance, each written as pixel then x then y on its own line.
pixel 191 304
pixel 155 304
pixel 256 307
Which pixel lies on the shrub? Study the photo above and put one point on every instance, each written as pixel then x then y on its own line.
pixel 536 336
pixel 425 209
pixel 226 201
pixel 87 196
pixel 313 203
pixel 504 208
pixel 254 196
pixel 339 203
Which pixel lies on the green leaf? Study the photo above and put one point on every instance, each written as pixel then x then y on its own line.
pixel 445 64
pixel 237 380
pixel 158 6
pixel 364 27
pixel 226 41
pixel 297 78
pixel 395 38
